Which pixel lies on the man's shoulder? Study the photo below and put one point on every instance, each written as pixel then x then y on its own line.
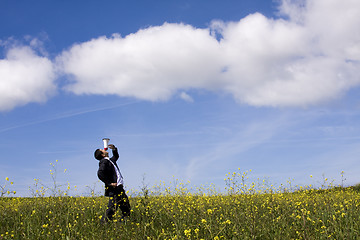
pixel 104 161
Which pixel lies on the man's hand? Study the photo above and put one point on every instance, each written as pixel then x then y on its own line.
pixel 113 184
pixel 111 146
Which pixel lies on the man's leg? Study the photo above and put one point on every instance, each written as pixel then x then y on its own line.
pixel 110 211
pixel 123 202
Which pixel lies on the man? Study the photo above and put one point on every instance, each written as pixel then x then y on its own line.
pixel 110 174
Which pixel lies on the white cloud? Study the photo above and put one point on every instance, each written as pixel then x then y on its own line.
pixel 151 64
pixel 186 97
pixel 310 56
pixel 306 60
pixel 25 77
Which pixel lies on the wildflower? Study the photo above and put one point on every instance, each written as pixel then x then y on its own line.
pixel 187 233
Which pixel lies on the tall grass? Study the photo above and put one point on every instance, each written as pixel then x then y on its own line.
pixel 245 211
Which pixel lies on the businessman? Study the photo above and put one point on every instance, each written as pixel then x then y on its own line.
pixel 110 174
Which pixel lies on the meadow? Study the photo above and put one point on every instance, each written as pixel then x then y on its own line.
pixel 243 211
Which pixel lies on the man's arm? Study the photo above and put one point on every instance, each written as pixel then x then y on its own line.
pixel 115 156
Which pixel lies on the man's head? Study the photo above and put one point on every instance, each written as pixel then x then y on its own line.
pixel 100 154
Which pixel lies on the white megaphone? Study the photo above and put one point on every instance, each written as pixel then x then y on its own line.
pixel 106 143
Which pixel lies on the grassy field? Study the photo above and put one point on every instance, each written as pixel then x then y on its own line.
pixel 243 212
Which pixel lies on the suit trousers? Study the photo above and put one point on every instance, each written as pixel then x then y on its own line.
pixel 117 199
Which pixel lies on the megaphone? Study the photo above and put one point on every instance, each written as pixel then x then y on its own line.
pixel 106 143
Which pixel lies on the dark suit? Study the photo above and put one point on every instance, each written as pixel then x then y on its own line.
pixel 117 195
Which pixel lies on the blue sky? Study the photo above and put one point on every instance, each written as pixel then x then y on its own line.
pixel 187 90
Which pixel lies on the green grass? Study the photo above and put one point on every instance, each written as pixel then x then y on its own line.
pixel 244 211
pixel 306 214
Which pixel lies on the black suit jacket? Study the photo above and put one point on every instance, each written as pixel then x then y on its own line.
pixel 107 173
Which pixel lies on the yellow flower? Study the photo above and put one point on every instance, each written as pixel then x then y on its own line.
pixel 187 233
